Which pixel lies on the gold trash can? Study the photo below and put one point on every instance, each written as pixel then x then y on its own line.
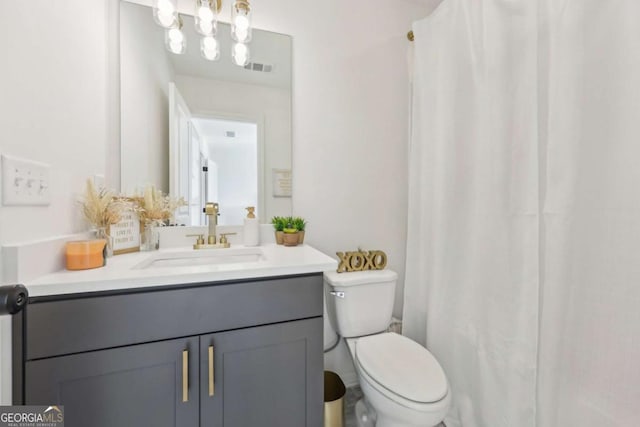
pixel 334 391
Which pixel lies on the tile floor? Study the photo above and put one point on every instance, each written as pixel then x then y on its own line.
pixel 353 395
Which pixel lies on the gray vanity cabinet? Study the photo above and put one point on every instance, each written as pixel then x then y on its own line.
pixel 234 354
pixel 140 385
pixel 261 376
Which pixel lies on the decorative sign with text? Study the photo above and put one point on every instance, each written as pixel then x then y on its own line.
pixel 361 261
pixel 282 183
pixel 125 235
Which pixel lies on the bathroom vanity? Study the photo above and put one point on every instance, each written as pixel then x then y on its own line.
pixel 243 348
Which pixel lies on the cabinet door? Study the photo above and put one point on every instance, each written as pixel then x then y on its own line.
pixel 134 386
pixel 267 376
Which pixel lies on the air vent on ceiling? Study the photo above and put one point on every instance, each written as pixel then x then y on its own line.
pixel 256 66
pixel 230 134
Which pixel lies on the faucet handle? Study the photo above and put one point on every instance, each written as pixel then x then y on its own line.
pixel 223 238
pixel 199 240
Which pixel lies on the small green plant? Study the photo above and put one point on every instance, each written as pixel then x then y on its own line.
pixel 279 223
pixel 299 223
pixel 288 224
pixel 289 227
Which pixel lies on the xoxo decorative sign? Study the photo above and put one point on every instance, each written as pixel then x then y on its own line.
pixel 361 261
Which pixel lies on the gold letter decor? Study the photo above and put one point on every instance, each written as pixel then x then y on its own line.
pixel 361 261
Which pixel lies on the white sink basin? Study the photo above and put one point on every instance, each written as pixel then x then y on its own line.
pixel 202 257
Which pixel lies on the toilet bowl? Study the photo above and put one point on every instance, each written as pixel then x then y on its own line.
pixel 402 382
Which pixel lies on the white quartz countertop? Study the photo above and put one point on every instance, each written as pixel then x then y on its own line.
pixel 123 272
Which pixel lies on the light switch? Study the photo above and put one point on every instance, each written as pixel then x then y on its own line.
pixel 25 182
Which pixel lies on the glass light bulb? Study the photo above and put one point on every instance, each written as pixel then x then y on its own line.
pixel 175 41
pixel 210 55
pixel 206 17
pixel 209 43
pixel 165 13
pixel 210 48
pixel 165 7
pixel 242 35
pixel 176 36
pixel 241 22
pixel 166 20
pixel 240 54
pixel 205 13
pixel 175 47
pixel 205 27
pixel 240 49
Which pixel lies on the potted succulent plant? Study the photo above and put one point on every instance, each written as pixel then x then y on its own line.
pixel 279 223
pixel 300 224
pixel 291 234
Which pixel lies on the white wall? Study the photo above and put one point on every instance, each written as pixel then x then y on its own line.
pixel 53 106
pixel 145 75
pixel 270 106
pixel 351 118
pixel 350 125
pixel 236 167
pixel 53 109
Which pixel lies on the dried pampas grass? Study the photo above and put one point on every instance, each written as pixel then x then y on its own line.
pixel 101 207
pixel 155 208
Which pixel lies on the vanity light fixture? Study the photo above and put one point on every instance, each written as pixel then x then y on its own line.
pixel 165 12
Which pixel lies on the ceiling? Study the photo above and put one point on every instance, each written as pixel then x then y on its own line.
pixel 213 131
pixel 265 47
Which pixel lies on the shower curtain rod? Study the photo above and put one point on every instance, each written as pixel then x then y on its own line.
pixel 410 36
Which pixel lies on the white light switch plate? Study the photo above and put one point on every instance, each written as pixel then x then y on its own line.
pixel 25 182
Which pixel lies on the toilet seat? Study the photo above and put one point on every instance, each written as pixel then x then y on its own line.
pixel 401 369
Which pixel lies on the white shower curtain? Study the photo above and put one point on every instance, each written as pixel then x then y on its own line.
pixel 590 330
pixel 523 252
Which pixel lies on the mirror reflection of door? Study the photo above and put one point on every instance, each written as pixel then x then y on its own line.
pixel 230 151
pixel 233 149
pixel 195 178
pixel 184 160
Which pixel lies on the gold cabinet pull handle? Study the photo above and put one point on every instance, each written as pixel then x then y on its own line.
pixel 185 376
pixel 211 372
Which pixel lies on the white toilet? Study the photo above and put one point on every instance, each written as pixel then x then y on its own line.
pixel 403 384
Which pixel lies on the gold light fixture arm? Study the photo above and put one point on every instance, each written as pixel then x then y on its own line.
pixel 243 5
pixel 214 4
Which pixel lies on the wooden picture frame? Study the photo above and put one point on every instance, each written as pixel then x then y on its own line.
pixel 125 235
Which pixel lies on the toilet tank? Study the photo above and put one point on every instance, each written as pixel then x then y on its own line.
pixel 360 303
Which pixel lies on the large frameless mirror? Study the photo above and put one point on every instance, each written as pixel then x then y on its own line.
pixel 203 130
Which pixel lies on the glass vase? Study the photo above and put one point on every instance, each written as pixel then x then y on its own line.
pixel 102 233
pixel 150 238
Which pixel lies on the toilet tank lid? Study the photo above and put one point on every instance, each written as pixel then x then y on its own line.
pixel 359 277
